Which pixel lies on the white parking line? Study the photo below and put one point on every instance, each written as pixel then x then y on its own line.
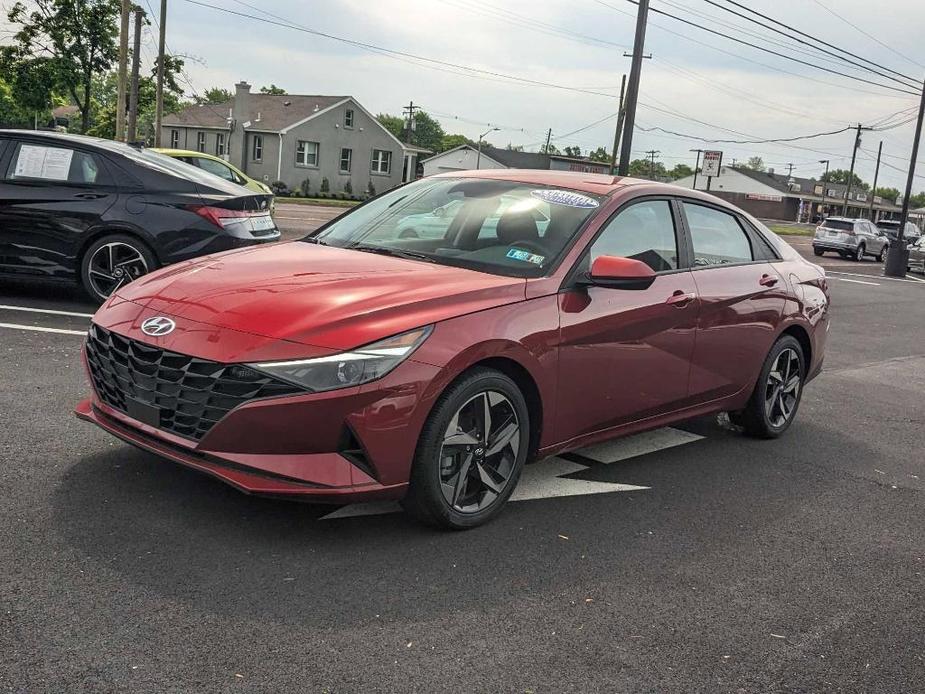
pixel 859 274
pixel 40 329
pixel 29 309
pixel 845 279
pixel 914 279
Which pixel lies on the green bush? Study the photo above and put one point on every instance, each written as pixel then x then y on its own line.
pixel 279 188
pixel 325 185
pixel 348 188
pixel 305 187
pixel 370 189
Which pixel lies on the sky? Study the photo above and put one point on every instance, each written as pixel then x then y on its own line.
pixel 695 83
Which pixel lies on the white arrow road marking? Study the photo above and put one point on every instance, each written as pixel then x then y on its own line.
pixel 544 480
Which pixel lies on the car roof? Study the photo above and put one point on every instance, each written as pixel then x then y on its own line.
pixel 183 153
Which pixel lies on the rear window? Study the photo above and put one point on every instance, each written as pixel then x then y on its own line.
pixel 886 224
pixel 840 224
pixel 39 162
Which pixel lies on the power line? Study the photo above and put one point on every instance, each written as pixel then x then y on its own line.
pixel 840 55
pixel 810 36
pixel 749 142
pixel 772 52
pixel 870 36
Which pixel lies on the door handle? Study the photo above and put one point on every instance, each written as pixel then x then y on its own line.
pixel 681 299
pixel 768 281
pixel 90 196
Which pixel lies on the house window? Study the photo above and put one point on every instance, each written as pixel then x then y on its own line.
pixel 348 118
pixel 382 162
pixel 258 148
pixel 174 139
pixel 200 142
pixel 220 144
pixel 346 159
pixel 306 153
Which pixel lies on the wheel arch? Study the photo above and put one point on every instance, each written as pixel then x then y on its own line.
pixel 113 230
pixel 801 334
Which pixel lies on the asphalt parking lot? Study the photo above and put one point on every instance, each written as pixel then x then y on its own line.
pixel 686 560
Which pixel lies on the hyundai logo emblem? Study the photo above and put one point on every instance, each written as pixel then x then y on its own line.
pixel 158 326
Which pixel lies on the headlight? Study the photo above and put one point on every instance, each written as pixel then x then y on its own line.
pixel 347 368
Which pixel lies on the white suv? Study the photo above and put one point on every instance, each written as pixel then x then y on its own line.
pixel 850 238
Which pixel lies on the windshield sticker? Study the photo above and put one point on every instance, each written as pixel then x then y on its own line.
pixel 526 256
pixel 565 197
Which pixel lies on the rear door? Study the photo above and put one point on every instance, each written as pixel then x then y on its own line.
pixel 625 354
pixel 51 195
pixel 741 300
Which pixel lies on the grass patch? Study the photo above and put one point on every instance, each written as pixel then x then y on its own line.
pixel 792 229
pixel 320 202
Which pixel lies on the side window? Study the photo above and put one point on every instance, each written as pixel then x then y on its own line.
pixel 717 237
pixel 32 162
pixel 644 231
pixel 216 168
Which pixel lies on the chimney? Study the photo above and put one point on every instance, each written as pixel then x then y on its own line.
pixel 240 114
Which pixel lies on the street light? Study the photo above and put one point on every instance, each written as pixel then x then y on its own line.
pixel 824 184
pixel 478 160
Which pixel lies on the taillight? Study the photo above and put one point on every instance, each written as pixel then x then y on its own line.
pixel 219 216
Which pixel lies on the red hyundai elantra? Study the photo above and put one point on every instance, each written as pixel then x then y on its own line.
pixel 427 344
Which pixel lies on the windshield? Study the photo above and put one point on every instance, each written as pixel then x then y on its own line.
pixel 501 227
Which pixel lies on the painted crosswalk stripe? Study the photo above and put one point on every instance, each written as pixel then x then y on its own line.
pixel 41 329
pixel 546 478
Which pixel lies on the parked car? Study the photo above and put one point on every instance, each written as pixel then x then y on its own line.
pixel 890 227
pixel 358 364
pixel 104 213
pixel 217 166
pixel 917 255
pixel 850 238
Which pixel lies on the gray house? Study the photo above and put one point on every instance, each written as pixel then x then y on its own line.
pixel 292 138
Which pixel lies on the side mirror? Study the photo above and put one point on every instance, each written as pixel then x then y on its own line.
pixel 620 273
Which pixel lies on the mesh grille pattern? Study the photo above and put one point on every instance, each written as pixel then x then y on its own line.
pixel 192 394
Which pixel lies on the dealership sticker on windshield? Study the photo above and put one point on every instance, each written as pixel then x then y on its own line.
pixel 565 197
pixel 526 256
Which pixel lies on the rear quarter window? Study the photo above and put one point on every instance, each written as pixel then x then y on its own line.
pixel 54 163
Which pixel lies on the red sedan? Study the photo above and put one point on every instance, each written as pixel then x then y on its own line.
pixel 429 343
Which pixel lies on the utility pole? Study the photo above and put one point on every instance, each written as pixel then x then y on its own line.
pixel 136 64
pixel 790 168
pixel 873 191
pixel 478 160
pixel 159 105
pixel 548 138
pixel 854 156
pixel 825 182
pixel 651 154
pixel 898 258
pixel 409 111
pixel 123 70
pixel 696 166
pixel 632 94
pixel 619 128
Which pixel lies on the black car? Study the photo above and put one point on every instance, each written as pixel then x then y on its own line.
pixel 890 227
pixel 103 213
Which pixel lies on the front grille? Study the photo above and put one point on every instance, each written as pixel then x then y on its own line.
pixel 190 394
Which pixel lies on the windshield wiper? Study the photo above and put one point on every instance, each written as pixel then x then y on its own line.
pixel 394 252
pixel 315 239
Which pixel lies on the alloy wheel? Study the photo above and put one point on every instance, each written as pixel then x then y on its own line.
pixel 113 265
pixel 479 452
pixel 783 388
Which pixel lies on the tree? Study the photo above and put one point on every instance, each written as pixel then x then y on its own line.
pixel 680 171
pixel 843 176
pixel 450 141
pixel 916 201
pixel 552 149
pixel 643 168
pixel 573 152
pixel 755 164
pixel 514 148
pixel 600 154
pixel 29 91
pixel 78 37
pixel 213 95
pixel 273 89
pixel 427 132
pixel 887 194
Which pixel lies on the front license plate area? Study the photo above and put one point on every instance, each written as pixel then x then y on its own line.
pixel 143 412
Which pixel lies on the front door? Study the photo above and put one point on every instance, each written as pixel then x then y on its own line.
pixel 625 354
pixel 50 196
pixel 741 301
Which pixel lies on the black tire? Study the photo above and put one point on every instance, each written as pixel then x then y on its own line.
pixel 755 418
pixel 818 252
pixel 883 252
pixel 431 470
pixel 859 253
pixel 138 260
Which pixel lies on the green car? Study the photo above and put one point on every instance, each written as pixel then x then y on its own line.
pixel 217 166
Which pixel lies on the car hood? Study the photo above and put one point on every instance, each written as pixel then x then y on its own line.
pixel 317 295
